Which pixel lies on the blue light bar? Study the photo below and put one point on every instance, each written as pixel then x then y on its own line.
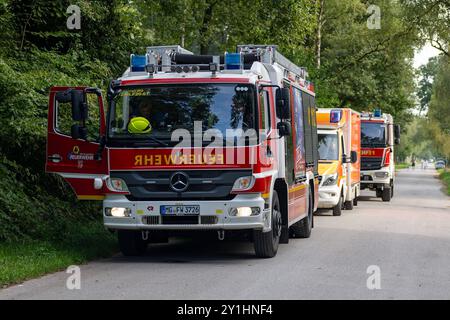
pixel 233 61
pixel 377 113
pixel 335 116
pixel 137 63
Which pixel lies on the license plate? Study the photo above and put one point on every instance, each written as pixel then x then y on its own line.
pixel 180 210
pixel 366 178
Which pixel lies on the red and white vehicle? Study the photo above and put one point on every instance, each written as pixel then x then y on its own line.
pixel 379 135
pixel 173 176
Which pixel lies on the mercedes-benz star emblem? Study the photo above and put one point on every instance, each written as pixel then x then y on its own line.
pixel 179 181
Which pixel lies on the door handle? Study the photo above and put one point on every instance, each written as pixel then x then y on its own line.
pixel 55 158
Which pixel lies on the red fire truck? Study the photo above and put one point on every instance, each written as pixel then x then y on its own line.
pixel 379 135
pixel 193 143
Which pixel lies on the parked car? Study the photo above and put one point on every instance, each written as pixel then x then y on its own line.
pixel 440 164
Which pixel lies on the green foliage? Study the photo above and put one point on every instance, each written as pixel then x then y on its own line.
pixel 439 108
pixel 444 175
pixel 31 210
pixel 400 166
pixel 426 73
pixel 366 68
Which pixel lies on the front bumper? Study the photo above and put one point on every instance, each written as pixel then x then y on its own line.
pixel 216 213
pixel 328 196
pixel 375 179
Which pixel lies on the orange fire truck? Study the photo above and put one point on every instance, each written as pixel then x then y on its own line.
pixel 193 143
pixel 379 135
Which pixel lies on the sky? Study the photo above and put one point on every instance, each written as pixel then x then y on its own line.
pixel 424 54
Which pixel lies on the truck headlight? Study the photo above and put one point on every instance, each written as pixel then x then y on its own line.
pixel 116 184
pixel 118 212
pixel 243 184
pixel 330 180
pixel 381 175
pixel 244 211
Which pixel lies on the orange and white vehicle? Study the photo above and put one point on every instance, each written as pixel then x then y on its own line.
pixel 379 135
pixel 193 143
pixel 339 133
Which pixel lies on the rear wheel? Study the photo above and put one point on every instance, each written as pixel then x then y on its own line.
pixel 302 228
pixel 337 209
pixel 266 243
pixel 131 243
pixel 379 193
pixel 386 195
pixel 392 190
pixel 355 201
pixel 348 205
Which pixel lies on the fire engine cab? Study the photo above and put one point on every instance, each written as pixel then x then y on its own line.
pixel 193 143
pixel 379 135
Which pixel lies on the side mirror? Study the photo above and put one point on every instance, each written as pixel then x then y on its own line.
pixel 354 157
pixel 78 132
pixel 283 103
pixel 397 134
pixel 344 158
pixel 79 105
pixel 64 96
pixel 284 129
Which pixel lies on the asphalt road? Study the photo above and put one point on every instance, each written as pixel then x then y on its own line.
pixel 408 239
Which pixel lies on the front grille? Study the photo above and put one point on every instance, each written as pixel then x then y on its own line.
pixel 183 220
pixel 179 220
pixel 208 220
pixel 150 220
pixel 371 163
pixel 203 184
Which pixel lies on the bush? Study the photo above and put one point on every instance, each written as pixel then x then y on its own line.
pixel 34 205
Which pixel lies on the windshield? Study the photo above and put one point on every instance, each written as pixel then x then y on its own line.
pixel 171 107
pixel 328 147
pixel 373 134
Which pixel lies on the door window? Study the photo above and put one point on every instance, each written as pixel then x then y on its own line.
pixel 64 121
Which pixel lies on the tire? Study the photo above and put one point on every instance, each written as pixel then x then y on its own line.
pixel 386 195
pixel 392 191
pixel 302 228
pixel 355 201
pixel 266 243
pixel 131 243
pixel 348 205
pixel 337 209
pixel 379 193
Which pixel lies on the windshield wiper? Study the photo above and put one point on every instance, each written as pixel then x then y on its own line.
pixel 144 143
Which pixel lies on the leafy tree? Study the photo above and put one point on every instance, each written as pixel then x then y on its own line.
pixel 427 74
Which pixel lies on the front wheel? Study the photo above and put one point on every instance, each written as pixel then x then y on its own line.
pixel 266 243
pixel 386 195
pixel 337 209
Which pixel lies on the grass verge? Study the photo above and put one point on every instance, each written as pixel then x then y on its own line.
pixel 399 166
pixel 34 258
pixel 444 175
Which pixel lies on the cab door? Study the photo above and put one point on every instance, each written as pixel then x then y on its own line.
pixel 76 134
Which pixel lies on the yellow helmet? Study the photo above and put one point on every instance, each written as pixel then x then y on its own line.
pixel 139 125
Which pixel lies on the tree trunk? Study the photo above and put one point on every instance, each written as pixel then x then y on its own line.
pixel 319 33
pixel 207 17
